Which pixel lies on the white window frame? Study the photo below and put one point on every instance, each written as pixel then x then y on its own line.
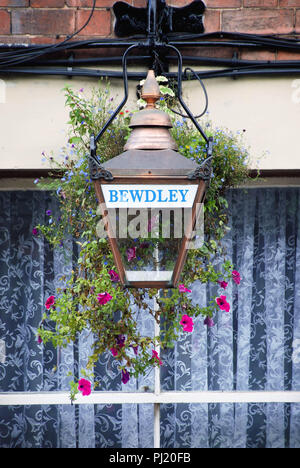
pixel 157 397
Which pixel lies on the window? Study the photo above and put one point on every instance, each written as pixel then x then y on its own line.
pixel 234 385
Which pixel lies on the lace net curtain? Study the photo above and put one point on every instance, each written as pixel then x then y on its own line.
pixel 250 348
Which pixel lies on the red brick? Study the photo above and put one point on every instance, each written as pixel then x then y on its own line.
pixel 258 21
pixel 139 3
pixel 285 55
pixel 14 3
pixel 100 24
pixel 36 21
pixel 4 22
pixel 211 21
pixel 250 54
pixel 47 4
pixel 289 3
pixel 89 3
pixel 297 27
pixel 178 3
pixel 223 3
pixel 261 3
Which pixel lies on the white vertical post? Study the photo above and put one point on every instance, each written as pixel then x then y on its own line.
pixel 156 369
pixel 156 384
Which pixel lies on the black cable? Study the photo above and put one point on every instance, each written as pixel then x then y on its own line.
pixel 50 49
pixel 204 91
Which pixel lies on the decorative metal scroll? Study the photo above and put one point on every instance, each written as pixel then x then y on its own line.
pixel 131 20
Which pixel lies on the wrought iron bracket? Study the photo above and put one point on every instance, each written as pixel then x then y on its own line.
pixel 131 20
pixel 154 19
pixel 96 170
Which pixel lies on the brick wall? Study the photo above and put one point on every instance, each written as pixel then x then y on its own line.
pixel 48 21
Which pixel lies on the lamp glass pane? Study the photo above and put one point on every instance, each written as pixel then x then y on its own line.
pixel 149 222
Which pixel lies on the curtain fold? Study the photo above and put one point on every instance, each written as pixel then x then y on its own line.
pixel 250 348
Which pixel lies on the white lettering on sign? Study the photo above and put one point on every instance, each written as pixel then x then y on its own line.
pixel 149 196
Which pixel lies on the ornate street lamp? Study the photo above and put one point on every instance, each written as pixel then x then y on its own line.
pixel 149 196
pixel 153 186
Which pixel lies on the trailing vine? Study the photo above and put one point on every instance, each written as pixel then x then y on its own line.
pixel 92 297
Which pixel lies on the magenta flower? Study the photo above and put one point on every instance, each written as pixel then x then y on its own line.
pixel 223 284
pixel 222 303
pixel 131 253
pixel 114 351
pixel 114 276
pixel 84 386
pixel 187 323
pixel 39 339
pixel 50 302
pixel 183 289
pixel 125 376
pixel 236 277
pixel 209 321
pixel 156 356
pixel 104 298
pixel 35 231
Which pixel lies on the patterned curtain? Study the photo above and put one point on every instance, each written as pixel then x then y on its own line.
pixel 253 347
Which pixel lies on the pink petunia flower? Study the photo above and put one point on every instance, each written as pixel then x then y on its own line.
pixel 114 351
pixel 131 253
pixel 114 276
pixel 125 376
pixel 187 323
pixel 222 303
pixel 156 356
pixel 236 277
pixel 223 284
pixel 209 321
pixel 183 289
pixel 104 298
pixel 84 386
pixel 50 302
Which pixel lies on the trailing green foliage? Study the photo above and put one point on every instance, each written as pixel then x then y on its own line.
pixel 80 302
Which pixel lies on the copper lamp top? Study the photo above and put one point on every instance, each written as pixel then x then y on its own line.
pixel 150 125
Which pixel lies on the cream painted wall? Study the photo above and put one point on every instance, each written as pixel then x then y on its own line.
pixel 33 116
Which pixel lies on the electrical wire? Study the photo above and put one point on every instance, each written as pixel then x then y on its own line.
pixel 50 49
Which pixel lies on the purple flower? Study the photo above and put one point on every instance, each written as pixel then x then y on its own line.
pixel 48 212
pixel 35 231
pixel 131 253
pixel 39 339
pixel 121 341
pixel 125 376
pixel 135 349
pixel 114 276
pixel 208 321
